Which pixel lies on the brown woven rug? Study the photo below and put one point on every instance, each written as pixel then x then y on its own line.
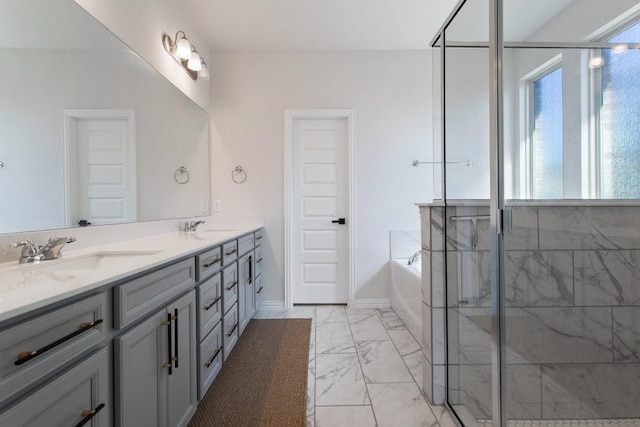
pixel 264 380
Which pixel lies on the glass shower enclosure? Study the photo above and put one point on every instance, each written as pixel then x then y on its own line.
pixel 539 131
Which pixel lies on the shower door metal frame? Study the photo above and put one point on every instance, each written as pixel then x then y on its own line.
pixel 497 207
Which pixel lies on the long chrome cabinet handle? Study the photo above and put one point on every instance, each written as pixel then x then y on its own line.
pixel 260 290
pixel 169 364
pixel 259 261
pixel 232 329
pixel 25 356
pixel 88 414
pixel 208 306
pixel 259 237
pixel 231 286
pixel 232 251
pixel 209 264
pixel 175 338
pixel 210 362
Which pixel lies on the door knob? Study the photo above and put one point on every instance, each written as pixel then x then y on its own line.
pixel 339 221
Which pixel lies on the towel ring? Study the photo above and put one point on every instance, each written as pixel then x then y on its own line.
pixel 181 175
pixel 238 175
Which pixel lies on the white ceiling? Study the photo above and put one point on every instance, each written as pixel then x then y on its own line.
pixel 259 25
pixel 312 24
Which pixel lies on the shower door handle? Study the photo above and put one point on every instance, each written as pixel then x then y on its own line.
pixel 339 221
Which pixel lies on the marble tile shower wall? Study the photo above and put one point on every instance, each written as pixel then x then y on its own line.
pixel 573 310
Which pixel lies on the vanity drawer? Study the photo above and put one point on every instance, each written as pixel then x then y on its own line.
pixel 36 347
pixel 69 399
pixel 230 330
pixel 208 263
pixel 229 252
pixel 245 244
pixel 209 304
pixel 259 292
pixel 259 236
pixel 136 299
pixel 229 286
pixel 257 269
pixel 210 353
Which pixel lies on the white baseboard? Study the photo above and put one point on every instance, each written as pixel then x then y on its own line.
pixel 360 303
pixel 373 303
pixel 271 305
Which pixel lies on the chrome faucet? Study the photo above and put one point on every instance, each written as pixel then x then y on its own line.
pixel 191 226
pixel 51 250
pixel 414 258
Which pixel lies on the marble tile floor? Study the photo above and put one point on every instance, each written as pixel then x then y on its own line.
pixel 567 423
pixel 365 369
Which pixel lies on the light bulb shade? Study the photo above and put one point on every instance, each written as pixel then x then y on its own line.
pixel 204 72
pixel 194 64
pixel 183 48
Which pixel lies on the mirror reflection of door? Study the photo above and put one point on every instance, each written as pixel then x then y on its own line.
pixel 101 174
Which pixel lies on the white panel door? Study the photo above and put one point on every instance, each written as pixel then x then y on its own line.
pixel 105 171
pixel 320 252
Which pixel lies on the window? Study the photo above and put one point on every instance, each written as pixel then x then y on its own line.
pixel 546 136
pixel 618 140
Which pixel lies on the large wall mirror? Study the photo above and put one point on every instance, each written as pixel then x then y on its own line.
pixel 90 132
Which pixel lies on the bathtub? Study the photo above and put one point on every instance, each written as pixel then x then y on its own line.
pixel 406 294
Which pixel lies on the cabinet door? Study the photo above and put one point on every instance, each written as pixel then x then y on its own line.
pixel 80 394
pixel 209 304
pixel 250 291
pixel 140 363
pixel 229 286
pixel 244 270
pixel 182 396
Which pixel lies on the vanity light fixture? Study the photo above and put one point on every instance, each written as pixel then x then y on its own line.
pixel 185 54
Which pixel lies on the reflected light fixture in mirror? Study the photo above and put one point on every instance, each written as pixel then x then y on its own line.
pixel 185 54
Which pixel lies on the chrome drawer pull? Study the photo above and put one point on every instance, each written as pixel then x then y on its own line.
pixel 259 237
pixel 25 356
pixel 88 414
pixel 260 290
pixel 232 329
pixel 231 286
pixel 259 261
pixel 208 306
pixel 232 251
pixel 209 264
pixel 210 362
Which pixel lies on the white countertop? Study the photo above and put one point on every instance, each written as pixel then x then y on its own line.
pixel 26 287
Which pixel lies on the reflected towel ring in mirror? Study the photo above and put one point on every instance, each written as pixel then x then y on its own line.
pixel 238 175
pixel 181 175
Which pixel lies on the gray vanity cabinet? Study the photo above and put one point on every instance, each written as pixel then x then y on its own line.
pixel 155 368
pixel 80 394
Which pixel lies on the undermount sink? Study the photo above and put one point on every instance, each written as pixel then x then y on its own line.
pixel 96 261
pixel 221 230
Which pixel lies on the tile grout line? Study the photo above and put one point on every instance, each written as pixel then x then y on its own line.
pixel 414 379
pixel 362 370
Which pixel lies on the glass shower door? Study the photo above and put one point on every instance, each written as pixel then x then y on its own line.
pixel 572 253
pixel 467 259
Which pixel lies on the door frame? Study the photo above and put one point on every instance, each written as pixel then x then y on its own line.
pixel 69 142
pixel 289 117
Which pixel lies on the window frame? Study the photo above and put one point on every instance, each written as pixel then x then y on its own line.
pixel 527 84
pixel 593 164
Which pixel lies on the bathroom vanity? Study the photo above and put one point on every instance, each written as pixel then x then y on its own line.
pixel 127 334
